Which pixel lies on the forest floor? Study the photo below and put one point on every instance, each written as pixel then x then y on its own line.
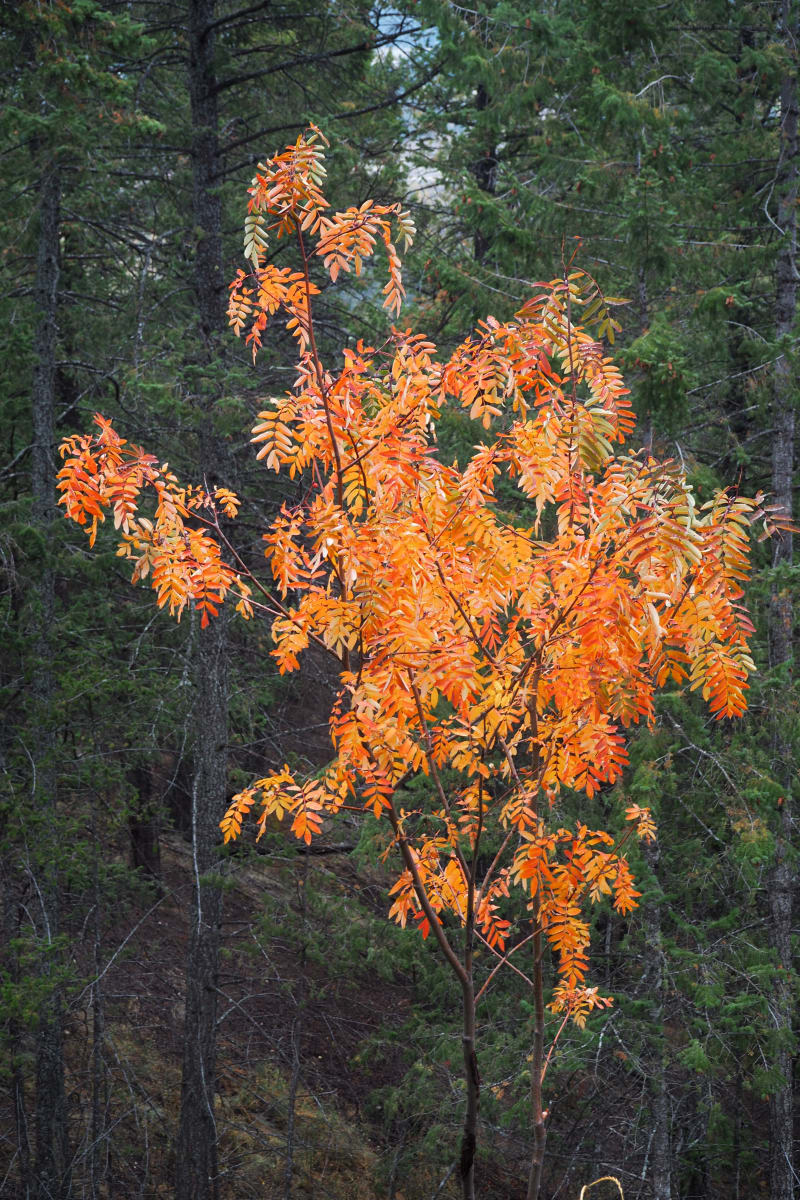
pixel 309 1033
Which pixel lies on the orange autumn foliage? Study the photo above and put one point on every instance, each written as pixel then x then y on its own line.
pixel 103 471
pixel 507 655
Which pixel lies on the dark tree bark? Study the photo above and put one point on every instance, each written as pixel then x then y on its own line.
pixel 485 171
pixel 197 1167
pixel 43 482
pixel 538 1114
pixel 144 824
pixel 472 1077
pixel 52 1163
pixel 537 1060
pixel 782 881
pixel 206 206
pixel 781 646
pixel 99 1148
pixel 296 1044
pixel 464 974
pixel 660 1174
pixel 197 1164
pixel 12 928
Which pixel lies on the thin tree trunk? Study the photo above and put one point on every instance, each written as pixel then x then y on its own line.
pixel 485 171
pixel 206 207
pixel 197 1162
pixel 537 1052
pixel 470 1135
pixel 12 922
pixel 297 1034
pixel 197 1165
pixel 52 1147
pixel 99 1147
pixel 43 484
pixel 464 974
pixel 537 1060
pixel 471 1074
pixel 736 1169
pixel 644 314
pixel 661 1173
pixel 144 824
pixel 781 647
pixel 781 621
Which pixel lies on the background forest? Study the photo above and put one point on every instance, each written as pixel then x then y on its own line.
pixel 179 1018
